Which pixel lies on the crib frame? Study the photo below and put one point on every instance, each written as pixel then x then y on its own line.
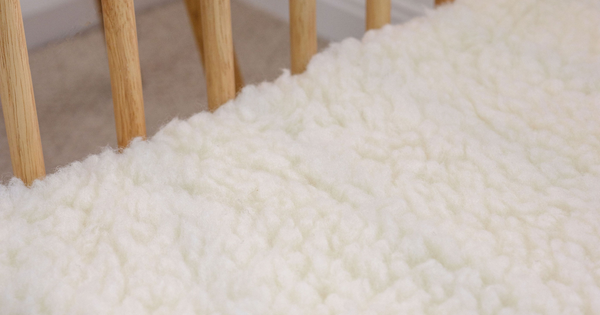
pixel 211 23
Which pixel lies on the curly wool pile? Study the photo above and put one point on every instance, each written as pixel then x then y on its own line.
pixel 450 165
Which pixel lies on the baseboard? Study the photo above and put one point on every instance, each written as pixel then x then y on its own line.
pixel 65 18
pixel 339 19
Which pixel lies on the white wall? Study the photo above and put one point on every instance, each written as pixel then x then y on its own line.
pixel 339 19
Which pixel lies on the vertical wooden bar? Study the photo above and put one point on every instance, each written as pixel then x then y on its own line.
pixel 303 33
pixel 193 9
pixel 440 2
pixel 379 13
pixel 125 75
pixel 215 16
pixel 18 102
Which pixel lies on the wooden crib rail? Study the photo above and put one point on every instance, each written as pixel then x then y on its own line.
pixel 18 102
pixel 125 75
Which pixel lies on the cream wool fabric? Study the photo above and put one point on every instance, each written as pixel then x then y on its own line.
pixel 450 165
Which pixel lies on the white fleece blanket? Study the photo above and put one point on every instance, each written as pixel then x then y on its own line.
pixel 450 165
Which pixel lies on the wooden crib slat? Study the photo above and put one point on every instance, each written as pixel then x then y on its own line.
pixel 379 13
pixel 125 75
pixel 193 9
pixel 303 33
pixel 18 102
pixel 215 16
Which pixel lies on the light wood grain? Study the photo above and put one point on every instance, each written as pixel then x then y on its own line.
pixel 215 16
pixel 303 33
pixel 440 2
pixel 18 102
pixel 125 75
pixel 379 13
pixel 193 9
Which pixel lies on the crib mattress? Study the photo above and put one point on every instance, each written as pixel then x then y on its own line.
pixel 450 165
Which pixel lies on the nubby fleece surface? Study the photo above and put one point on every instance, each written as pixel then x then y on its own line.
pixel 450 165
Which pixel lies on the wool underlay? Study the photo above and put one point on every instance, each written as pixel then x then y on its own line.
pixel 449 165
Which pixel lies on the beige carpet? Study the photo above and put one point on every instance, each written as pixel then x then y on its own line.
pixel 72 86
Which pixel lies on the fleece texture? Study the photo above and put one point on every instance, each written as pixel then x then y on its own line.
pixel 450 165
